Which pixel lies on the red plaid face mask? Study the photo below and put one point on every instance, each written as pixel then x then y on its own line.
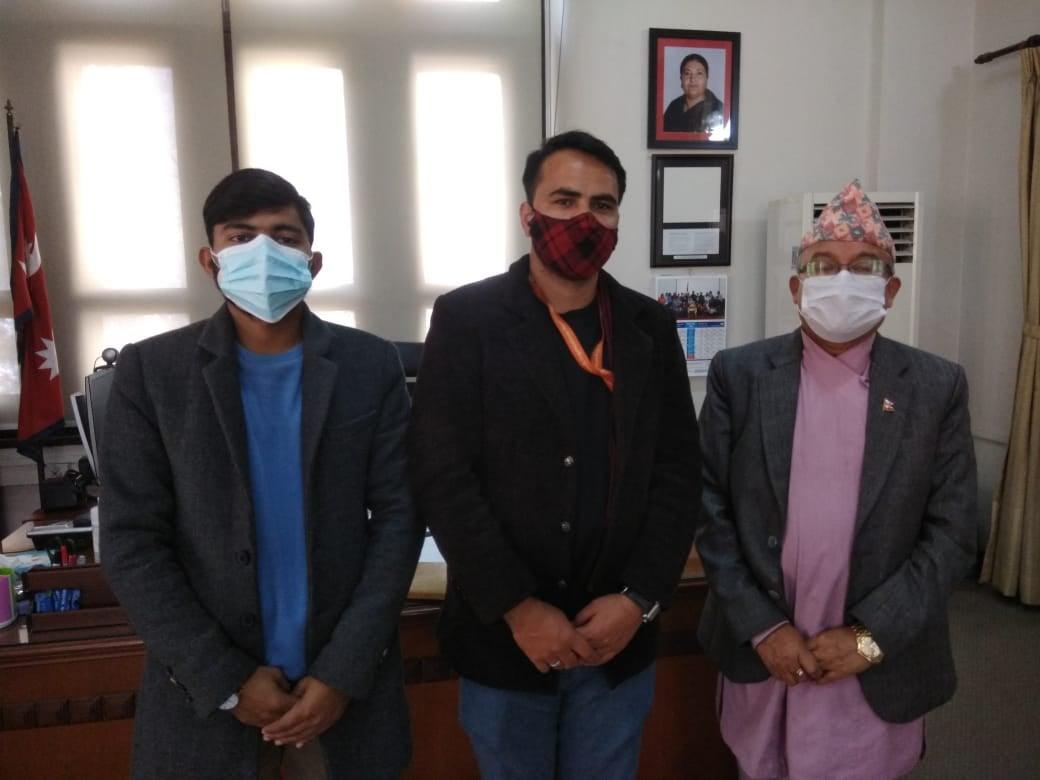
pixel 575 248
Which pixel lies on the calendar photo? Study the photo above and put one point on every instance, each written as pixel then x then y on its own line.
pixel 698 304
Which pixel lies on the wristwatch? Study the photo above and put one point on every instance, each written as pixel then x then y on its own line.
pixel 230 703
pixel 650 609
pixel 866 646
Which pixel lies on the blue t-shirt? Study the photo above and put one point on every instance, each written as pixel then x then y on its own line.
pixel 271 399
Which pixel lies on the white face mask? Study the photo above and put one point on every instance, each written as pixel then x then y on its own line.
pixel 843 307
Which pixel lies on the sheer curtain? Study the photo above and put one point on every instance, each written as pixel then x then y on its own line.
pixel 124 129
pixel 1012 562
pixel 405 123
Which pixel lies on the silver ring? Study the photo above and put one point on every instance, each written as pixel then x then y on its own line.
pixel 556 664
pixel 800 673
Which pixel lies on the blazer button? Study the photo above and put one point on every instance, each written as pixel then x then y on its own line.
pixel 772 541
pixel 561 585
pixel 244 557
pixel 249 620
pixel 565 527
pixel 568 461
pixel 774 595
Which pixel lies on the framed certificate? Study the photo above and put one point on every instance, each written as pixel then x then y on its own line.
pixel 691 210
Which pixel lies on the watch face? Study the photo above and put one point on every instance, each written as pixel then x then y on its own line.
pixel 869 649
pixel 231 702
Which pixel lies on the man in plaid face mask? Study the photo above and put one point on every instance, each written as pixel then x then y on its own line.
pixel 554 456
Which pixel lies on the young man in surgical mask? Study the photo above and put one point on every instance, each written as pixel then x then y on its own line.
pixel 256 521
pixel 838 513
pixel 554 457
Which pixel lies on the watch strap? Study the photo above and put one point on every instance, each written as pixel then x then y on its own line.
pixel 649 609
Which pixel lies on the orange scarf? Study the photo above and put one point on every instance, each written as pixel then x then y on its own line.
pixel 591 364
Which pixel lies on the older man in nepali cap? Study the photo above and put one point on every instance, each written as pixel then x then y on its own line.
pixel 838 512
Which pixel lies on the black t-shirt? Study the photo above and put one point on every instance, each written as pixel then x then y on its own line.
pixel 590 405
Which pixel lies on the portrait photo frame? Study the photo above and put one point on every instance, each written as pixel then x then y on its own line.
pixel 691 210
pixel 698 109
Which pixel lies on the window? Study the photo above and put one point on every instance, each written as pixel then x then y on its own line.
pixel 338 316
pixel 125 178
pixel 128 262
pixel 431 106
pixel 295 125
pixel 460 165
pixel 114 330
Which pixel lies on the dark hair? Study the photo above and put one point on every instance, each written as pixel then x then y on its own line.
pixel 249 190
pixel 578 141
pixel 697 57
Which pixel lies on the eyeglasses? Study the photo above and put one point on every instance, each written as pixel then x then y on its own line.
pixel 861 266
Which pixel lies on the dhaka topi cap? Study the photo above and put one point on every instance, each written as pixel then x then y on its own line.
pixel 850 216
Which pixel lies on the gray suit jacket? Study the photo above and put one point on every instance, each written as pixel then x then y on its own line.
pixel 915 524
pixel 179 548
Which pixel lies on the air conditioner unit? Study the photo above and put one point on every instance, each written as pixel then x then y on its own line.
pixel 790 218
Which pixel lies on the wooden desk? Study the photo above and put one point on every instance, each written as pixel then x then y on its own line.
pixel 66 708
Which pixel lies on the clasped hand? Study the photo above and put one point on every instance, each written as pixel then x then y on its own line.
pixel 288 717
pixel 827 657
pixel 551 642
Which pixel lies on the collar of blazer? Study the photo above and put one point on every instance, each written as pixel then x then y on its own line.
pixel 220 372
pixel 778 396
pixel 633 351
pixel 218 337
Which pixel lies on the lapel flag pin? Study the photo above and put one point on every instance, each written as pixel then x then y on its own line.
pixel 887 406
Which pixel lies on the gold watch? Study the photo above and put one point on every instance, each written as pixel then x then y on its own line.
pixel 866 646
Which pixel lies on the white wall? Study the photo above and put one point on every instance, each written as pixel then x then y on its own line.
pixel 828 92
pixel 991 302
pixel 783 148
pixel 925 58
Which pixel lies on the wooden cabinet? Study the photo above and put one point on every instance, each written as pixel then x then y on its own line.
pixel 66 707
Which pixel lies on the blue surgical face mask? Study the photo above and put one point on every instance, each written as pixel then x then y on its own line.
pixel 263 277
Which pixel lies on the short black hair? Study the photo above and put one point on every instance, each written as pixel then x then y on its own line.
pixel 579 141
pixel 697 57
pixel 249 190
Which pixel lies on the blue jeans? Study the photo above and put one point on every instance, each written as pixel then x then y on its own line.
pixel 584 730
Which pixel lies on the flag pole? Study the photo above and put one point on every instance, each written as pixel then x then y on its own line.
pixel 10 123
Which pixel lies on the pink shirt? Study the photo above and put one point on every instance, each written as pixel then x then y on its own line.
pixel 820 731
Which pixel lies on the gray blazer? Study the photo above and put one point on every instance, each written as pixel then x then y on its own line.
pixel 916 520
pixel 179 548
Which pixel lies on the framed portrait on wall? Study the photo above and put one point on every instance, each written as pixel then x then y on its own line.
pixel 694 89
pixel 691 213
